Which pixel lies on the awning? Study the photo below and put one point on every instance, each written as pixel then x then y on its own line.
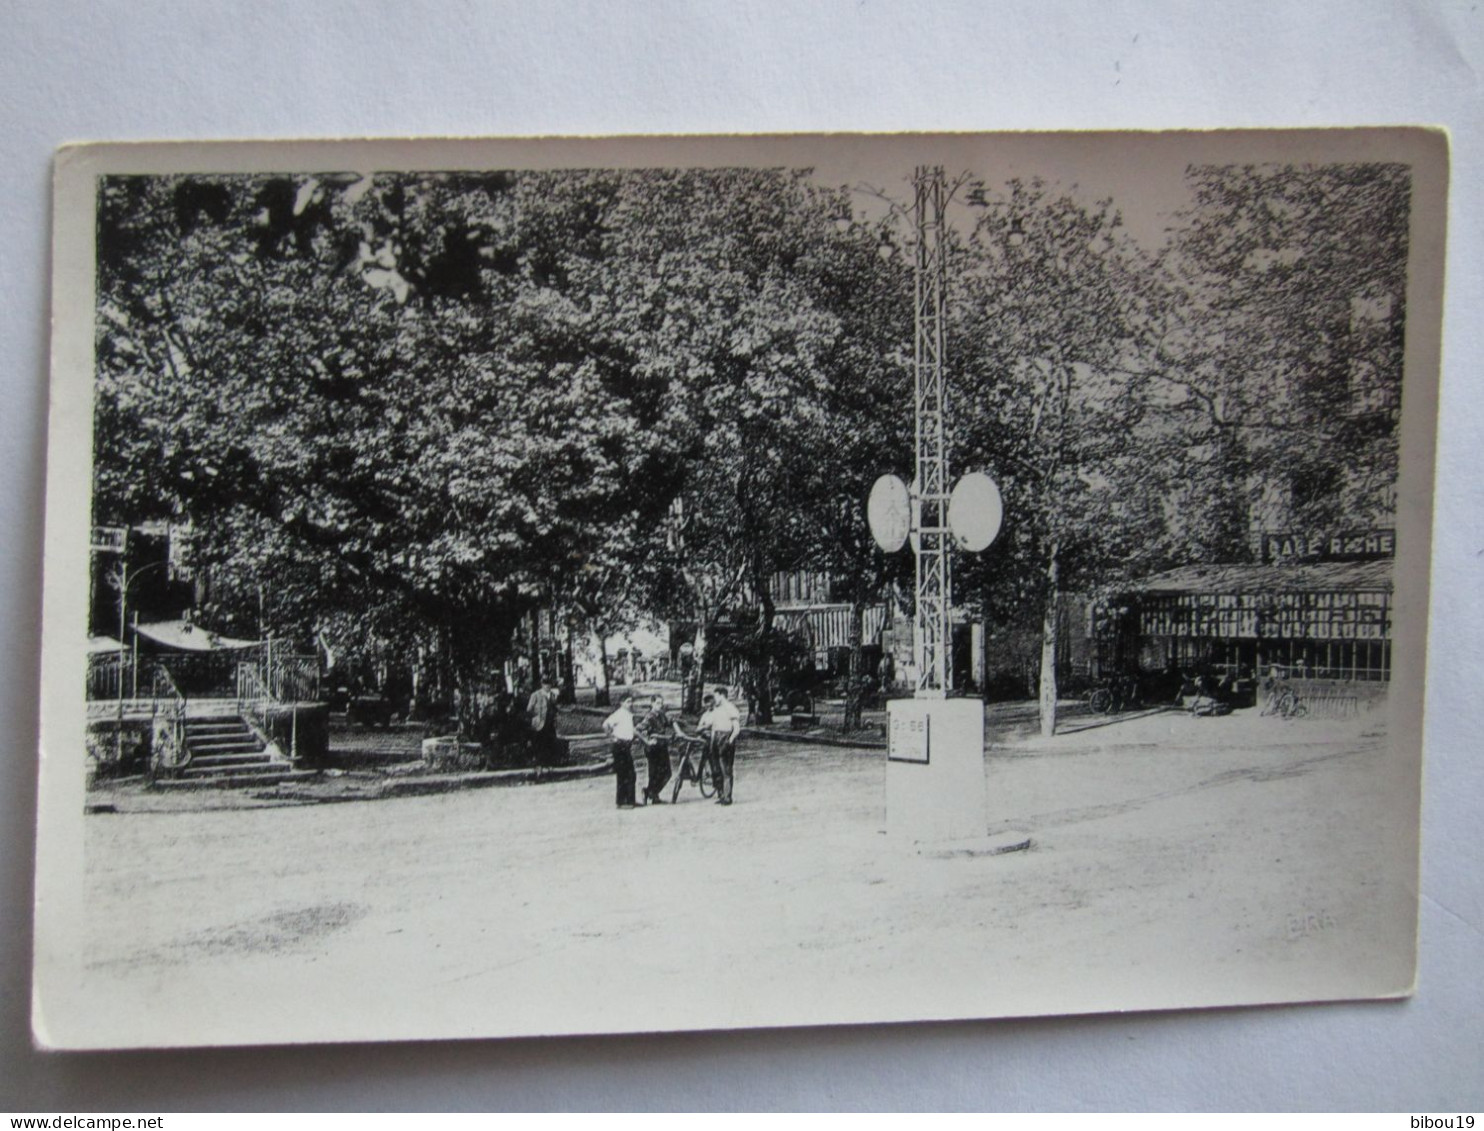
pixel 100 644
pixel 1306 577
pixel 186 637
pixel 828 626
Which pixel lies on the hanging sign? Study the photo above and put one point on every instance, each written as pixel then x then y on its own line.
pixel 975 512
pixel 889 511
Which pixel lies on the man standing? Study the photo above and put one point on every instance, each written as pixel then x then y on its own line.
pixel 620 729
pixel 654 732
pixel 726 725
pixel 704 730
pixel 541 714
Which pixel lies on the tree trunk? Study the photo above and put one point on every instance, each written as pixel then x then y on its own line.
pixel 1049 626
pixel 535 648
pixel 762 665
pixel 569 673
pixel 981 657
pixel 466 685
pixel 855 683
pixel 601 696
pixel 698 667
pixel 466 657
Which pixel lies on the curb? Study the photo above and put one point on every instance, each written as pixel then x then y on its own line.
pixel 811 739
pixel 764 732
pixel 425 785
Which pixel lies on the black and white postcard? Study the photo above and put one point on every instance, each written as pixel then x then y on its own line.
pixel 614 585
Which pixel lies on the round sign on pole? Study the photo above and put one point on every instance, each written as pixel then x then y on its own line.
pixel 975 512
pixel 889 511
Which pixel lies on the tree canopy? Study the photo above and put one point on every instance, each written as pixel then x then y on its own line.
pixel 416 406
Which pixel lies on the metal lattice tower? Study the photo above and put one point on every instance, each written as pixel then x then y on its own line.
pixel 934 582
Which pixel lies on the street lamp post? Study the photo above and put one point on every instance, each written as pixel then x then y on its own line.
pixel 125 581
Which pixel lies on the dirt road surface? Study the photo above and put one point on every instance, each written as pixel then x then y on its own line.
pixel 1175 861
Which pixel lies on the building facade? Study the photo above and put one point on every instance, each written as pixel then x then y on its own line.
pixel 1317 608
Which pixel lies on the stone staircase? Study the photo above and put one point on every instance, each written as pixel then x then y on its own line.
pixel 226 751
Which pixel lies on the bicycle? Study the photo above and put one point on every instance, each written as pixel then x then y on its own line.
pixel 1284 701
pixel 1116 694
pixel 695 765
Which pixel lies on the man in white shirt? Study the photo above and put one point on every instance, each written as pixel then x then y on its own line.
pixel 620 728
pixel 725 726
pixel 704 726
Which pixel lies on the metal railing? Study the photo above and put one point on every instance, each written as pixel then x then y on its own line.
pixel 292 679
pixel 253 694
pixel 287 680
pixel 1317 699
pixel 285 677
pixel 1333 704
pixel 168 723
pixel 110 676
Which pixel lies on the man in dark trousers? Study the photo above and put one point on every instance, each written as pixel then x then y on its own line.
pixel 620 729
pixel 726 725
pixel 541 714
pixel 654 732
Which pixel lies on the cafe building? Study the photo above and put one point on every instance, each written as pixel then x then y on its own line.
pixel 1314 608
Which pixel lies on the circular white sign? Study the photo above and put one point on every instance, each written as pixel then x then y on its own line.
pixel 889 511
pixel 975 512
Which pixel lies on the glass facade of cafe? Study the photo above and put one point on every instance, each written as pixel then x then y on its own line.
pixel 1329 621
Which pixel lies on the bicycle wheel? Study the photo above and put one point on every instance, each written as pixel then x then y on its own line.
pixel 706 782
pixel 1300 710
pixel 1101 701
pixel 1287 704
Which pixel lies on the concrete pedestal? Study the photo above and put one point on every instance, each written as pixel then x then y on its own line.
pixel 935 789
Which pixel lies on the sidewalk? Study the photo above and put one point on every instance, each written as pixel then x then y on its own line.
pixel 1011 730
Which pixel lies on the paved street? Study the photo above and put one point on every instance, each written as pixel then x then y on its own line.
pixel 1175 860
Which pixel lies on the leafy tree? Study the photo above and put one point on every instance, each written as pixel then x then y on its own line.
pixel 729 309
pixel 865 427
pixel 319 374
pixel 1281 337
pixel 432 401
pixel 1142 411
pixel 605 595
pixel 1045 338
